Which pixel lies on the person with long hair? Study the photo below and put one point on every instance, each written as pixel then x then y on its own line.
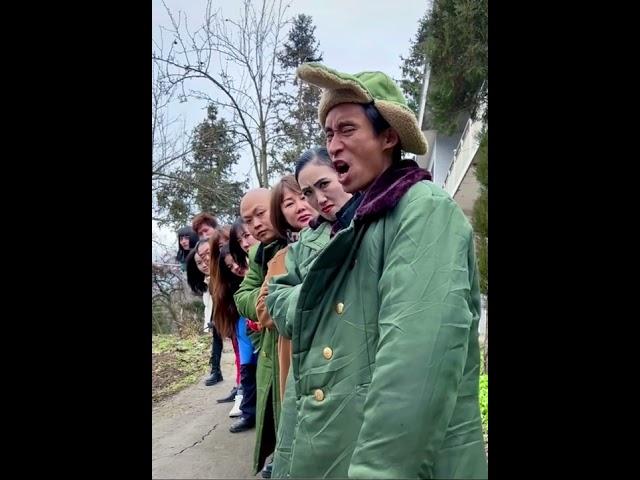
pixel 230 324
pixel 217 239
pixel 198 278
pixel 240 241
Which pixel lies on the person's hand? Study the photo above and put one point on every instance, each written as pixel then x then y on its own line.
pixel 276 267
pixel 253 326
pixel 261 308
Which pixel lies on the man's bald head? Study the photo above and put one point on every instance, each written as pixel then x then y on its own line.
pixel 256 194
pixel 254 209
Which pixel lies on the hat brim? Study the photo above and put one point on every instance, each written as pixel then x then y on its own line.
pixel 344 88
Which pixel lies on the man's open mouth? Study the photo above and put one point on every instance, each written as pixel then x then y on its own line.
pixel 341 166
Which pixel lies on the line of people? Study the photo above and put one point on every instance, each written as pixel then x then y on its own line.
pixel 214 259
pixel 358 302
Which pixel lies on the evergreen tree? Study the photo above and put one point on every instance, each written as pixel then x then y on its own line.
pixel 204 180
pixel 298 101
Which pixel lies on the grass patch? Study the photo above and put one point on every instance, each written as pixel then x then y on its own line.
pixel 177 363
pixel 484 401
pixel 484 409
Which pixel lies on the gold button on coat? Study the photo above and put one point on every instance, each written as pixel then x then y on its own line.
pixel 339 308
pixel 327 353
pixel 319 395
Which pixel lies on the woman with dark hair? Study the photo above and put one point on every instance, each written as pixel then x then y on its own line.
pixel 219 239
pixel 187 239
pixel 290 210
pixel 198 270
pixel 240 241
pixel 319 184
pixel 230 324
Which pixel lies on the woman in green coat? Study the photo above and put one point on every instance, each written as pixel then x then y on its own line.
pixel 384 326
pixel 319 183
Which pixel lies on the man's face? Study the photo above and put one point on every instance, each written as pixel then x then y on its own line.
pixel 184 242
pixel 205 231
pixel 357 153
pixel 254 210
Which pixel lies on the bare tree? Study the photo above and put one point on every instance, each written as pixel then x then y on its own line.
pixel 172 299
pixel 174 307
pixel 237 58
pixel 171 144
pixel 165 287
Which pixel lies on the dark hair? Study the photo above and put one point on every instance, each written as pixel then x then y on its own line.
pixel 226 283
pixel 318 155
pixel 193 239
pixel 201 218
pixel 278 220
pixel 236 250
pixel 380 125
pixel 195 278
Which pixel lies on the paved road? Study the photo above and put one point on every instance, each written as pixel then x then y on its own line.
pixel 190 433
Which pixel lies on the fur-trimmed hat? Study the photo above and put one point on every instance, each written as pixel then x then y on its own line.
pixel 366 87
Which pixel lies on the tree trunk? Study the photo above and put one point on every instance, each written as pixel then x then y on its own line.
pixel 263 158
pixel 299 120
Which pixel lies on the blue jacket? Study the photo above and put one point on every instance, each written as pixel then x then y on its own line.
pixel 244 343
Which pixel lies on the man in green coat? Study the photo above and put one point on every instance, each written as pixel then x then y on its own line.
pixel 384 326
pixel 255 211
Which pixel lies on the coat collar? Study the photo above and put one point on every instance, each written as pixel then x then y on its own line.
pixel 264 253
pixel 387 190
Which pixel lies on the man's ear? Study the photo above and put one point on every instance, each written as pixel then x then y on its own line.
pixel 390 139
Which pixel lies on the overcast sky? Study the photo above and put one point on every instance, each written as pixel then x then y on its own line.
pixel 354 35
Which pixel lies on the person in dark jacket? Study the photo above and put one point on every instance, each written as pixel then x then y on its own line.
pixel 187 239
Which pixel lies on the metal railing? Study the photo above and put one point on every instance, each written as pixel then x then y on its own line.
pixel 463 154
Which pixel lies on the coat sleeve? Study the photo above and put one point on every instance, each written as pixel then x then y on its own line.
pixel 276 267
pixel 283 293
pixel 424 324
pixel 246 297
